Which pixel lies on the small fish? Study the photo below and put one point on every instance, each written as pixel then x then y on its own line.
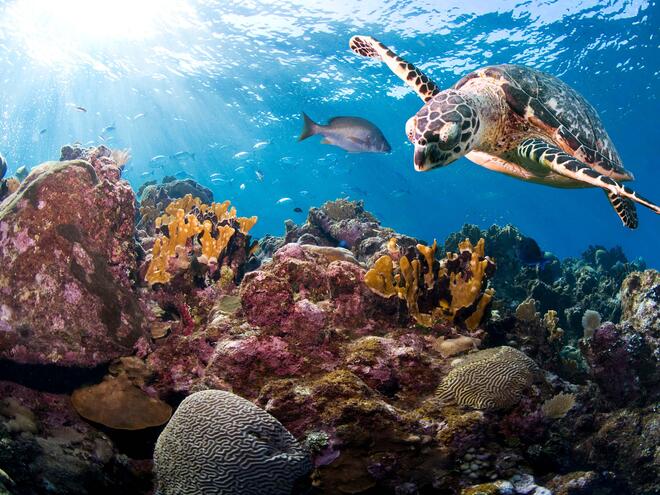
pixel 303 193
pixel 297 209
pixel 138 116
pixel 238 169
pixel 43 131
pixel 80 109
pixel 283 200
pixel 260 175
pixel 242 187
pixel 353 134
pixel 183 155
pixel 146 174
pixel 215 174
pixel 158 158
pixel 240 155
pixel 530 253
pixel 108 128
pixel 261 144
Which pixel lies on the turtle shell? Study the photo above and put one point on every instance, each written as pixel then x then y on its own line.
pixel 558 111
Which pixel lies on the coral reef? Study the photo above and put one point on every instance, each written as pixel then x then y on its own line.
pixel 316 342
pixel 570 286
pixel 218 442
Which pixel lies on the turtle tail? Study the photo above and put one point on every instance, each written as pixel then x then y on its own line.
pixel 309 127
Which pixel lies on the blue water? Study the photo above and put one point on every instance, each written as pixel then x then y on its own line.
pixel 214 78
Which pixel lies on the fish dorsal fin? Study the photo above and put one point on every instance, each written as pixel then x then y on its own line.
pixel 366 46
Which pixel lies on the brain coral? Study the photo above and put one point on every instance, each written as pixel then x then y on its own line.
pixel 489 379
pixel 220 443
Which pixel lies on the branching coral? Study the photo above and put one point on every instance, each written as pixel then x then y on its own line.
pixel 191 230
pixel 452 289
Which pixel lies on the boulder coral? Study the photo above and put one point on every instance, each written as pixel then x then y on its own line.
pixel 66 295
pixel 220 443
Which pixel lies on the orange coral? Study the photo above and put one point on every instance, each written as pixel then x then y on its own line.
pixel 246 223
pixel 185 218
pixel 461 278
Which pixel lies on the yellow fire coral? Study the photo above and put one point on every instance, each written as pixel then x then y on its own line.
pixel 192 226
pixel 448 290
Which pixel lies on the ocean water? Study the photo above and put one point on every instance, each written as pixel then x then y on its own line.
pixel 215 78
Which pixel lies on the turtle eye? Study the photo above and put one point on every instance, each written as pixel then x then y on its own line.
pixel 410 128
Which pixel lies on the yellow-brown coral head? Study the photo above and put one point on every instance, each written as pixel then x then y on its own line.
pixel 118 404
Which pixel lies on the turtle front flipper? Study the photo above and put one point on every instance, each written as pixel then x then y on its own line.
pixel 562 163
pixel 625 208
pixel 367 46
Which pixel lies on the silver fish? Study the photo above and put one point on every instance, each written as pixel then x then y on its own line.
pixel 183 155
pixel 353 134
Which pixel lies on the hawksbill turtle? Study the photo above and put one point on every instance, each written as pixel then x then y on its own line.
pixel 514 120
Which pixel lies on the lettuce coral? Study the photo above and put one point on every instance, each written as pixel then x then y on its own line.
pixel 452 289
pixel 192 230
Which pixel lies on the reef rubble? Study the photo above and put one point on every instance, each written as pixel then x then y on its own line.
pixel 373 396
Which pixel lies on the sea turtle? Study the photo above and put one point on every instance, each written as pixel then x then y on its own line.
pixel 515 120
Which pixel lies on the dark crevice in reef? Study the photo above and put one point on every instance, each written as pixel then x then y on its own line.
pixel 51 377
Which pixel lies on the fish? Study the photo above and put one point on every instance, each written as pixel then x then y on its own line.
pixel 261 144
pixel 3 166
pixel 108 128
pixel 146 174
pixel 80 109
pixel 242 187
pixel 215 174
pixel 352 134
pixel 43 131
pixel 260 175
pixel 297 209
pixel 530 253
pixel 138 116
pixel 241 154
pixel 283 200
pixel 238 169
pixel 183 155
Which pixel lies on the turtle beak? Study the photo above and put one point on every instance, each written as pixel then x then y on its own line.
pixel 425 158
pixel 419 158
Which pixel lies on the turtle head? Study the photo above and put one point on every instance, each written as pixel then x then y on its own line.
pixel 443 130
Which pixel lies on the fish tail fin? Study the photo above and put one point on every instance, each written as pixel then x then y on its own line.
pixel 309 127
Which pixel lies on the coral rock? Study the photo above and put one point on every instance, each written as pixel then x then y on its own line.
pixel 66 248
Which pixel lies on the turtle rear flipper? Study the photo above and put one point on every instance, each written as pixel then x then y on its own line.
pixel 366 46
pixel 562 163
pixel 625 208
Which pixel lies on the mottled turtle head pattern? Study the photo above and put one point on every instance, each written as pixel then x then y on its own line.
pixel 443 130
